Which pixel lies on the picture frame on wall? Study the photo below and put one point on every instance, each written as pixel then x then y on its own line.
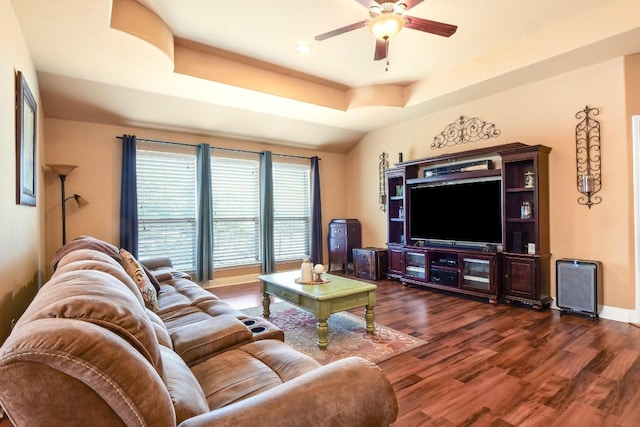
pixel 26 125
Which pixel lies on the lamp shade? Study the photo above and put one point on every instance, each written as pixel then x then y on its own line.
pixel 81 201
pixel 385 26
pixel 63 170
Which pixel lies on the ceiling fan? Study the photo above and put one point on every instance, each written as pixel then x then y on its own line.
pixel 387 19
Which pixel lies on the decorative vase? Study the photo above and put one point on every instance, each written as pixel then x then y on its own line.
pixel 306 271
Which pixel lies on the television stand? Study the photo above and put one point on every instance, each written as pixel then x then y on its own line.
pixel 470 272
pixel 518 269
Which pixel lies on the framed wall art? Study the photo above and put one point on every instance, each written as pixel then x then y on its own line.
pixel 26 125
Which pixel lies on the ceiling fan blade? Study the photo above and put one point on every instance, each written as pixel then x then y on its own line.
pixel 367 3
pixel 342 30
pixel 382 48
pixel 428 26
pixel 410 3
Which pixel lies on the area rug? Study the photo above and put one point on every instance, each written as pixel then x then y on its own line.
pixel 347 335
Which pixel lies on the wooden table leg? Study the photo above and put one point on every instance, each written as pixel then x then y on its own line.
pixel 266 302
pixel 369 316
pixel 322 334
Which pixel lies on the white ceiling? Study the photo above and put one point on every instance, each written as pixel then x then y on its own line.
pixel 89 71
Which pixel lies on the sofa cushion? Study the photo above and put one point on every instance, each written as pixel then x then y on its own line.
pixel 202 338
pixel 161 330
pixel 88 259
pixel 99 298
pixel 243 372
pixel 186 394
pixel 135 270
pixel 85 242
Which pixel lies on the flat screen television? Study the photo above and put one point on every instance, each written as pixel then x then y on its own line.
pixel 465 213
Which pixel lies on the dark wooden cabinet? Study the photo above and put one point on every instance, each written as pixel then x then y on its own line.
pixel 370 263
pixel 395 206
pixel 344 236
pixel 526 280
pixel 395 268
pixel 525 218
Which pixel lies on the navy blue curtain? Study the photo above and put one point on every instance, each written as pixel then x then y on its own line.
pixel 266 213
pixel 204 240
pixel 129 197
pixel 316 213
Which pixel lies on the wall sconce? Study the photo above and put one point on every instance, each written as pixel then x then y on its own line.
pixel 589 179
pixel 62 171
pixel 383 165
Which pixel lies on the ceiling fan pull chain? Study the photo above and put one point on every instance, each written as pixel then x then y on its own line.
pixel 387 67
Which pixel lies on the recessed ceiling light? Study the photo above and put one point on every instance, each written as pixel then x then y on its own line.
pixel 303 47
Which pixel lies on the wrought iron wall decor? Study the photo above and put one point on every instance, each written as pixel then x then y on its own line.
pixel 383 165
pixel 464 130
pixel 588 179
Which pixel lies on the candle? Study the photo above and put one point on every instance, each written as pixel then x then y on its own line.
pixel 586 183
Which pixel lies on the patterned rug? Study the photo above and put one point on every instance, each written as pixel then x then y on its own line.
pixel 347 335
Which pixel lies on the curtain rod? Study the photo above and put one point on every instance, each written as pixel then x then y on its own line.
pixel 236 150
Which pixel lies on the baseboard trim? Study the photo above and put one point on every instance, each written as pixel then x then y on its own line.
pixel 611 313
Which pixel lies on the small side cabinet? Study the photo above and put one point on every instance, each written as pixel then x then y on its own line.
pixel 525 280
pixel 344 236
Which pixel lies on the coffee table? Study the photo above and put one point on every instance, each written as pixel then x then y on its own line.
pixel 339 294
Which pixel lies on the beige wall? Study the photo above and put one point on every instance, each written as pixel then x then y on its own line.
pixel 97 152
pixel 539 113
pixel 21 227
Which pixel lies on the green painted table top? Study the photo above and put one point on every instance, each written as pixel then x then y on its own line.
pixel 336 287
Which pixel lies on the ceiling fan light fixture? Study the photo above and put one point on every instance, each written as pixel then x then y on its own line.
pixel 386 25
pixel 303 48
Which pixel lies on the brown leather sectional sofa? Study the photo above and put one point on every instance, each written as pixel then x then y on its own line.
pixel 87 351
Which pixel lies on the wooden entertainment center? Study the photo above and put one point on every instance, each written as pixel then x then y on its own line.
pixel 515 266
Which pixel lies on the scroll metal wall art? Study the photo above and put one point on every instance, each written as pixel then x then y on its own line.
pixel 589 180
pixel 464 130
pixel 383 165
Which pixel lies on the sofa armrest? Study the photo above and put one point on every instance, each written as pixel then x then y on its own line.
pixel 348 392
pixel 156 262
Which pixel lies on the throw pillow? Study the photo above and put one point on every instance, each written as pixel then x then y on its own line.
pixel 135 270
pixel 154 281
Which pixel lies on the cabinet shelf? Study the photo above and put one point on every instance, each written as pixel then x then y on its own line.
pixel 444 267
pixel 476 278
pixel 519 190
pixel 522 220
pixel 396 219
pixel 454 176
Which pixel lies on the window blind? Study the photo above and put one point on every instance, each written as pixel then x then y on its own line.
pixel 235 184
pixel 167 206
pixel 291 203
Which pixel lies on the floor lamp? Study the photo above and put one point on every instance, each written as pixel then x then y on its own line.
pixel 62 171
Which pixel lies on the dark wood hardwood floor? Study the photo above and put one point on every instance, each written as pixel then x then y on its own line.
pixel 499 365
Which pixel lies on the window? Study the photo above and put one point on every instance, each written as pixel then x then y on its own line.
pixel 235 184
pixel 167 206
pixel 291 202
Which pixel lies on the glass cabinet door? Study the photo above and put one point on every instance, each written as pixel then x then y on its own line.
pixel 415 264
pixel 476 273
